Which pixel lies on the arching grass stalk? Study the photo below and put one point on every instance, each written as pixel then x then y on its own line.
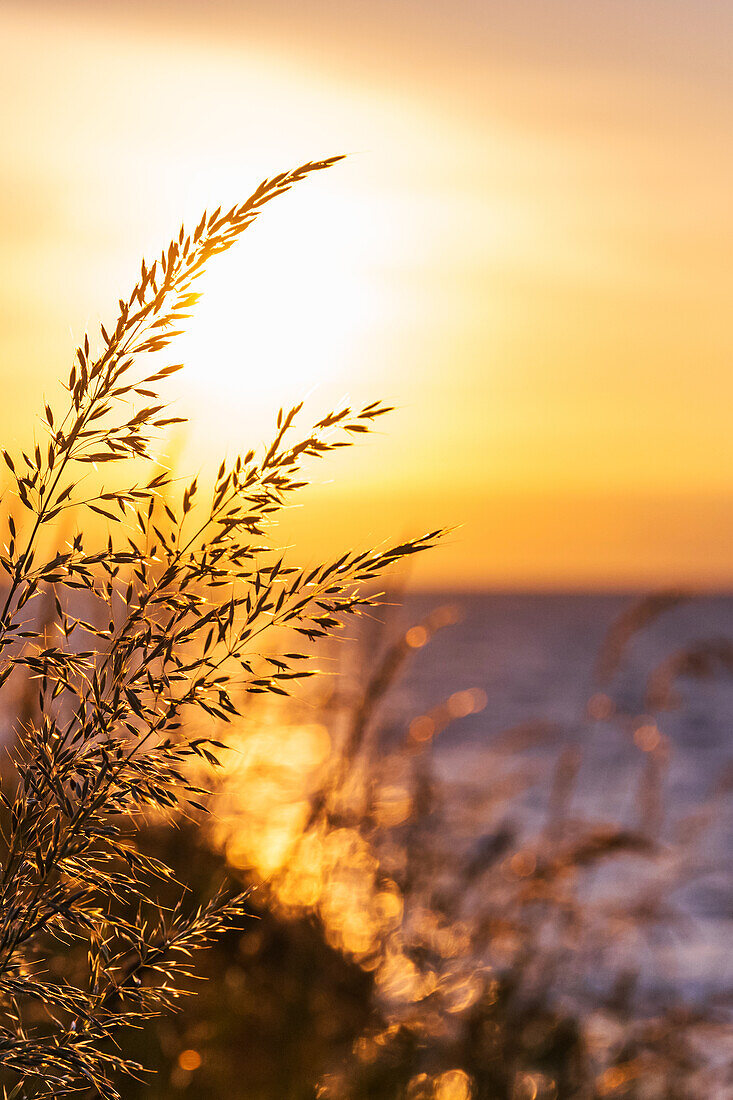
pixel 167 615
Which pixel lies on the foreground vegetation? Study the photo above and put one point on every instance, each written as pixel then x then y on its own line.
pixel 121 640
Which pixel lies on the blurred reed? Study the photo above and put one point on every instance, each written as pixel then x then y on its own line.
pixel 480 958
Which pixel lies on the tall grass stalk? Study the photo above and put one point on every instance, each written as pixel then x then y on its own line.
pixel 123 639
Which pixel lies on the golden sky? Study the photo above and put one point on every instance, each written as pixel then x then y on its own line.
pixel 529 252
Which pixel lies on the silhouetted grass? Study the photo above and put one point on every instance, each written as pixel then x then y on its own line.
pixel 117 640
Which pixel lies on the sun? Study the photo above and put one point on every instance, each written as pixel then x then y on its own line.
pixel 283 313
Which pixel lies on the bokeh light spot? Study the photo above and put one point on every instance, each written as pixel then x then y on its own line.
pixel 189 1060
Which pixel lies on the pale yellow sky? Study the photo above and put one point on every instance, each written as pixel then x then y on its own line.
pixel 528 252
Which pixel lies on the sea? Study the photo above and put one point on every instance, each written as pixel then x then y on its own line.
pixel 531 660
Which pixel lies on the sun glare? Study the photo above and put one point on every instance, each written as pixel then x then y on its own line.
pixel 283 313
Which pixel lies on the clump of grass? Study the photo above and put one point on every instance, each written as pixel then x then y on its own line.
pixel 122 640
pixel 498 967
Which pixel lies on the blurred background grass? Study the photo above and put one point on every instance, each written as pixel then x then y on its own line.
pixel 421 934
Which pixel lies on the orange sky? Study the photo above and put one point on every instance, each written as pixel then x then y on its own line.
pixel 528 252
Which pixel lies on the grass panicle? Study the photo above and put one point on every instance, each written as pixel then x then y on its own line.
pixel 121 639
